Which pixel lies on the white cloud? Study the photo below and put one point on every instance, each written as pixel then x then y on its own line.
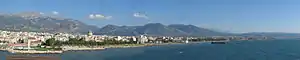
pixel 42 13
pixel 99 16
pixel 140 15
pixel 55 12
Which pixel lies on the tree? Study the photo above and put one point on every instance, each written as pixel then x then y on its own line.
pixel 20 41
pixel 50 42
pixel 82 39
pixel 58 43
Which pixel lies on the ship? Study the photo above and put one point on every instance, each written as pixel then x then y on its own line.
pixel 220 42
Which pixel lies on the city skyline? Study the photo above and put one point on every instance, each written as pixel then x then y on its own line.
pixel 229 15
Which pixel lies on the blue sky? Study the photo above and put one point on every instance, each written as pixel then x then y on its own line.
pixel 228 15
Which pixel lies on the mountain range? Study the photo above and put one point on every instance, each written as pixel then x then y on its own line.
pixel 34 21
pixel 158 29
pixel 276 35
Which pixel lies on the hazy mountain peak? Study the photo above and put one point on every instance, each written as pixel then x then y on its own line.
pixel 161 30
pixel 29 14
pixel 33 21
pixel 154 24
pixel 110 25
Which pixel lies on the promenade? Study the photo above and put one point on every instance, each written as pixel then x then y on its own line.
pixel 67 48
pixel 34 52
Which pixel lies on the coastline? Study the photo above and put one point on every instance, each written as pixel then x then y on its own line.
pixel 149 44
pixel 34 52
pixel 80 48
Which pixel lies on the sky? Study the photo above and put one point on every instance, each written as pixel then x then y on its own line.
pixel 227 15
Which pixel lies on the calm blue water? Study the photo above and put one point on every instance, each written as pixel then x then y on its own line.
pixel 236 50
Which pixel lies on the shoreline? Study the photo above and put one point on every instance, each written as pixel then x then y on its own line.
pixel 34 52
pixel 85 48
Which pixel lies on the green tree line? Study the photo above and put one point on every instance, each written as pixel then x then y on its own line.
pixel 82 42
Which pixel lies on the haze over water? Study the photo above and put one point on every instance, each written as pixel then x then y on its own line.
pixel 235 50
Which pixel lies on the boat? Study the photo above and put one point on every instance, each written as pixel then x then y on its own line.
pixel 219 42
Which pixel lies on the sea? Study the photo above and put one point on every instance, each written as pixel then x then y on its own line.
pixel 233 50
